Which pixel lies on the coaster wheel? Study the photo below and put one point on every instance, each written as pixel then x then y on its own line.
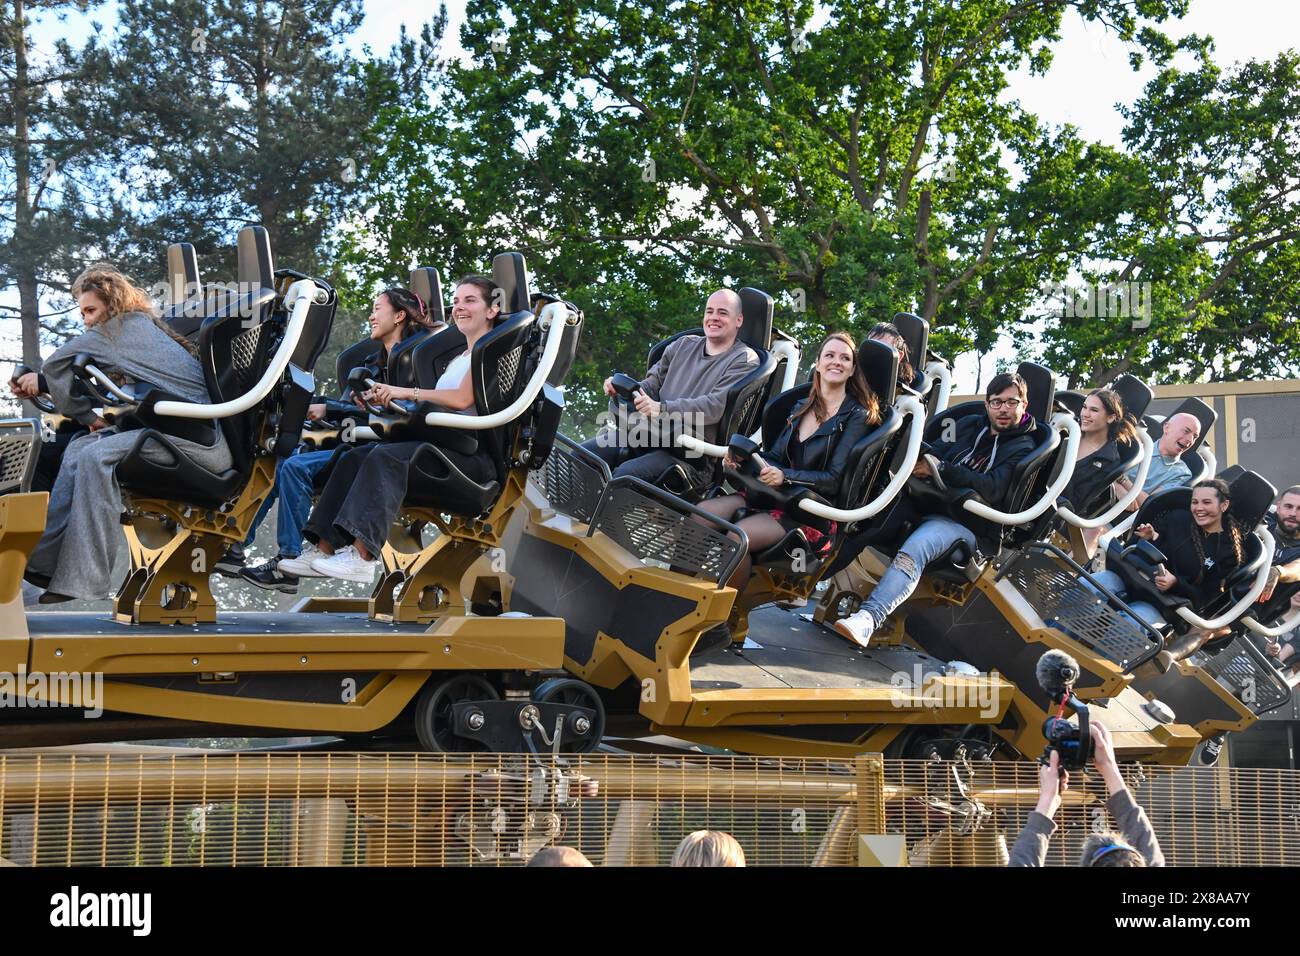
pixel 581 735
pixel 435 724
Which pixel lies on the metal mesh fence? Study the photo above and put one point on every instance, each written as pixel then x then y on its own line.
pixel 342 809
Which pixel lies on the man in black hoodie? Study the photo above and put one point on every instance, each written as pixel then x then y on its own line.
pixel 981 455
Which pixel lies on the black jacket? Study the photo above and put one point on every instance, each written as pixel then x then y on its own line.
pixel 820 460
pixel 1090 474
pixel 1288 549
pixel 982 460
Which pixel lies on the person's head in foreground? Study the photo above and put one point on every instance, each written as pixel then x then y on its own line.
pixel 558 856
pixel 708 848
pixel 1109 849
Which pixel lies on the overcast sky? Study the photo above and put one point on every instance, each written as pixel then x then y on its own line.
pixel 1089 76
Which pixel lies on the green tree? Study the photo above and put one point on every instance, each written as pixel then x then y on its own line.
pixel 48 220
pixel 1207 213
pixel 215 115
pixel 641 154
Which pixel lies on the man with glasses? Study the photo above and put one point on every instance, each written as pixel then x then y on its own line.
pixel 978 452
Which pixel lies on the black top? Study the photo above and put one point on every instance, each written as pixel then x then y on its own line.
pixel 1288 548
pixel 1199 580
pixel 818 461
pixel 1090 474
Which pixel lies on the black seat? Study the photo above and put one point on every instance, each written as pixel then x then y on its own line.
pixel 20 446
pixel 426 282
pixel 187 309
pixel 745 399
pixel 1207 417
pixel 916 334
pixel 1252 496
pixel 500 364
pixel 234 352
pixel 1030 478
pixel 794 556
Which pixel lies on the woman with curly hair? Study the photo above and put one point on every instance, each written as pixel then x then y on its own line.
pixel 125 338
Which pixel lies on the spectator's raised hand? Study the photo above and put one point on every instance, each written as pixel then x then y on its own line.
pixel 1103 757
pixel 1052 780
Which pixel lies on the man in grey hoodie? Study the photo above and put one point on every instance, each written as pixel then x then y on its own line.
pixel 1134 845
pixel 686 391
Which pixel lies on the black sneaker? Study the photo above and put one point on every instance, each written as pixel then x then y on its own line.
pixel 269 577
pixel 230 564
pixel 1210 750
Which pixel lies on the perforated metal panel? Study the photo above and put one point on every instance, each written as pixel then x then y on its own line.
pixel 658 534
pixel 508 368
pixel 1255 683
pixel 571 484
pixel 1063 601
pixel 243 355
pixel 19 445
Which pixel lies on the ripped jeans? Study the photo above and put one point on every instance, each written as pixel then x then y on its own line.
pixel 932 537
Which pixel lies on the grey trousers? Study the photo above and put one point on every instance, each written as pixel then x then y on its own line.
pixel 83 532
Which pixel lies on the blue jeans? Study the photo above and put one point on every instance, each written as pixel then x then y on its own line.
pixel 1113 583
pixel 294 480
pixel 932 537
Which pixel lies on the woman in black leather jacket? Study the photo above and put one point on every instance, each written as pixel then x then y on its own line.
pixel 811 451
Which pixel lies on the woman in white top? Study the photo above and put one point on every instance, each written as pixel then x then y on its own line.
pixel 366 489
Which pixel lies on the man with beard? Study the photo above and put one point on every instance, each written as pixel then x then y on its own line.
pixel 1284 525
pixel 982 456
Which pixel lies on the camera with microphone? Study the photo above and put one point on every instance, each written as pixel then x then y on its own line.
pixel 1057 672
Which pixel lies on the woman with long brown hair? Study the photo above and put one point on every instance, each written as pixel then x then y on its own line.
pixel 125 338
pixel 1103 425
pixel 811 451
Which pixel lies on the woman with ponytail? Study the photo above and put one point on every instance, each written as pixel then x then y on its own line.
pixel 124 338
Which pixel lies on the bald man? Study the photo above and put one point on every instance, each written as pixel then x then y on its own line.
pixel 1168 470
pixel 687 388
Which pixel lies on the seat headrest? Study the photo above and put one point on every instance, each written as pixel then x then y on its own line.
pixel 756 308
pixel 256 269
pixel 1072 401
pixel 1041 383
pixel 183 273
pixel 1252 496
pixel 1134 393
pixel 352 356
pixel 1190 406
pixel 879 364
pixel 510 273
pixel 916 333
pixel 426 282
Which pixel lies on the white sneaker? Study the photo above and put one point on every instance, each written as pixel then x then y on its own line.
pixel 857 628
pixel 347 565
pixel 301 565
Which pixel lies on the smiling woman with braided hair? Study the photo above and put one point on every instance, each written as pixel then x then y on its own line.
pixel 1202 546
